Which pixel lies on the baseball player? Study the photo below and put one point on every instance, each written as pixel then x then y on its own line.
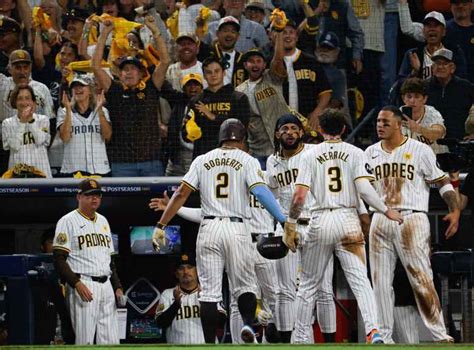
pixel 403 168
pixel 261 222
pixel 224 177
pixel 84 127
pixel 179 309
pixel 82 248
pixel 335 172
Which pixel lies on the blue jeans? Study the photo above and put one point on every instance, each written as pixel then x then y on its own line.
pixel 388 62
pixel 150 168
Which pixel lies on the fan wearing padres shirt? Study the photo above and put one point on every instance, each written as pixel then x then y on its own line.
pixel 179 309
pixel 224 176
pixel 82 249
pixel 403 168
pixel 335 172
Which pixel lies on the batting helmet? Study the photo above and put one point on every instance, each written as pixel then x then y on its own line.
pixel 272 247
pixel 231 129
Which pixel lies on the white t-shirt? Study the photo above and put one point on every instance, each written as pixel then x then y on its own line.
pixel 292 83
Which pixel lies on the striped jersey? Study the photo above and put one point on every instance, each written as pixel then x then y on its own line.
pixel 88 242
pixel 402 176
pixel 430 118
pixel 86 150
pixel 329 170
pixel 261 220
pixel 224 177
pixel 186 327
pixel 281 177
pixel 27 142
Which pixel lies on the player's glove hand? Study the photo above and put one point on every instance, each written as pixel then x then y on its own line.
pixel 290 236
pixel 159 238
pixel 264 317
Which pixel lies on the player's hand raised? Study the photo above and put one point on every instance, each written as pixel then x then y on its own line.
pixel 83 291
pixel 290 236
pixel 158 239
pixel 453 219
pixel 394 215
pixel 158 204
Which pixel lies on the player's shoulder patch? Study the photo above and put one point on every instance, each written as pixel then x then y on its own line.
pixel 407 156
pixel 261 174
pixel 61 238
pixel 160 307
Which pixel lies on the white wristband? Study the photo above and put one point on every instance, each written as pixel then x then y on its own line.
pixel 446 188
pixel 291 220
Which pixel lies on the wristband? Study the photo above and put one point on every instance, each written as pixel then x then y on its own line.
pixel 160 226
pixel 455 183
pixel 291 220
pixel 446 188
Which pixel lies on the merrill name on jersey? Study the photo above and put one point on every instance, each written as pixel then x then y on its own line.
pixel 332 156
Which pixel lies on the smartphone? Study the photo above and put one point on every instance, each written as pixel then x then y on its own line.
pixel 408 111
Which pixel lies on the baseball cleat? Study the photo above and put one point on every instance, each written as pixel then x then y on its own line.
pixel 374 337
pixel 247 334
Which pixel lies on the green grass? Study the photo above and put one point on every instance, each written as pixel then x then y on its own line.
pixel 347 346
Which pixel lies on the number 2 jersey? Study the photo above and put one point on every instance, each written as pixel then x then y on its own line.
pixel 329 171
pixel 224 177
pixel 402 176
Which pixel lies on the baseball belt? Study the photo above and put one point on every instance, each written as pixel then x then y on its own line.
pixel 231 218
pixel 100 279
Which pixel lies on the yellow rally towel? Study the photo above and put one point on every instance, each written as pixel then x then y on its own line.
pixel 41 19
pixel 193 131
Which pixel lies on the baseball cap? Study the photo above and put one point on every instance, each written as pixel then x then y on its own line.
pixel 8 24
pixel 187 259
pixel 329 39
pixel 130 60
pixel 442 53
pixel 288 119
pixel 252 52
pixel 257 4
pixel 19 56
pixel 89 186
pixel 191 36
pixel 229 20
pixel 191 77
pixel 437 16
pixel 75 13
pixel 81 79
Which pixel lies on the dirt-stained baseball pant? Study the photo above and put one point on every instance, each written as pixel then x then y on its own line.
pixel 410 242
pixel 332 231
pixel 95 318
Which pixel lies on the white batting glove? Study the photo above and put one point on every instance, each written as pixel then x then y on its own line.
pixel 264 317
pixel 158 239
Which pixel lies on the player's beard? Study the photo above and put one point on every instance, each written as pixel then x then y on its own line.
pixel 291 147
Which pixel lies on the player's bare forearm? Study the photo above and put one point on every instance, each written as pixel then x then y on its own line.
pixel 176 202
pixel 298 201
pixel 451 199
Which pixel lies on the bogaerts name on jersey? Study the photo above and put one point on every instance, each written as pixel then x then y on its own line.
pixel 332 156
pixel 230 162
pixel 395 170
pixel 93 240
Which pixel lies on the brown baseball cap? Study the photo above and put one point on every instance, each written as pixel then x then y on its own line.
pixel 18 56
pixel 89 186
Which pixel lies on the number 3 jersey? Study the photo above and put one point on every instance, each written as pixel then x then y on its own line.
pixel 329 171
pixel 224 177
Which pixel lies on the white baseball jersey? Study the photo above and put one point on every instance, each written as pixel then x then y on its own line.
pixel 186 327
pixel 281 177
pixel 28 142
pixel 88 242
pixel 402 176
pixel 329 170
pixel 224 177
pixel 44 101
pixel 86 149
pixel 430 118
pixel 262 221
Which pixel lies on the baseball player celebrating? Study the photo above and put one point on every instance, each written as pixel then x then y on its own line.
pixel 179 310
pixel 403 168
pixel 335 172
pixel 81 249
pixel 224 177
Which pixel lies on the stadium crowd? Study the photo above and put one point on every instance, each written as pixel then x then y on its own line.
pixel 140 88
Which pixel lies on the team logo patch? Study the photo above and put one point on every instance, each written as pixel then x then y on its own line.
pixel 61 239
pixel 334 15
pixel 141 95
pixel 407 156
pixel 472 40
pixel 104 228
pixel 260 173
pixel 160 307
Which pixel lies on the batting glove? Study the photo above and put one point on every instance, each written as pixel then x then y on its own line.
pixel 290 236
pixel 159 237
pixel 264 317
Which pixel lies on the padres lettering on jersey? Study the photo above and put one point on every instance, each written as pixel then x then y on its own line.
pixel 402 176
pixel 186 311
pixel 93 240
